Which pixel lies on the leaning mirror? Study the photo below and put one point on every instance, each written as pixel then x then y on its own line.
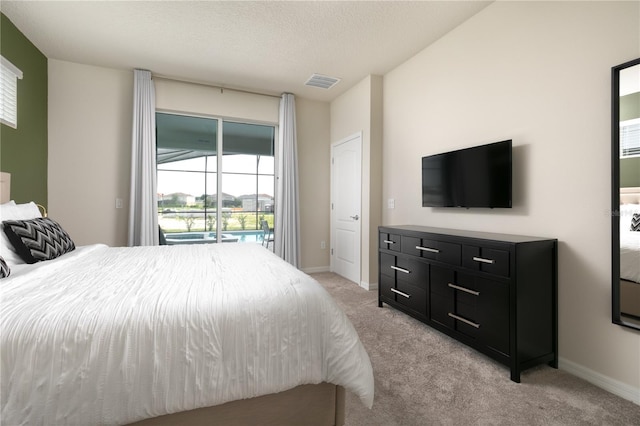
pixel 625 194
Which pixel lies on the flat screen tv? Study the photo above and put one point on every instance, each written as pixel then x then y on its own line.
pixel 473 177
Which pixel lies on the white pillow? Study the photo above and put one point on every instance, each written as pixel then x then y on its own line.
pixel 27 211
pixel 6 205
pixel 13 211
pixel 626 213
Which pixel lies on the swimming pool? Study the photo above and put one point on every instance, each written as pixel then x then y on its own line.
pixel 252 236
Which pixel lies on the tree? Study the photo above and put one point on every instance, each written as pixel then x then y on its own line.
pixel 242 218
pixel 211 222
pixel 225 220
pixel 188 220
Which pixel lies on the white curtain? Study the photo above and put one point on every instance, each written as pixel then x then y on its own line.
pixel 143 217
pixel 287 223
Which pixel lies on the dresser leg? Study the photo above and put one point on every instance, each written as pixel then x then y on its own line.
pixel 515 375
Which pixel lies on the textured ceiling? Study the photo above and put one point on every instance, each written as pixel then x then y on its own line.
pixel 265 46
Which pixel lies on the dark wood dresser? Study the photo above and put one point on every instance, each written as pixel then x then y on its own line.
pixel 494 292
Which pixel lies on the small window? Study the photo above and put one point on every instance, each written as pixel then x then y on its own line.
pixel 9 75
pixel 630 138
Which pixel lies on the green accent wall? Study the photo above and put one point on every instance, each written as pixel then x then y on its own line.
pixel 629 172
pixel 630 167
pixel 630 106
pixel 23 151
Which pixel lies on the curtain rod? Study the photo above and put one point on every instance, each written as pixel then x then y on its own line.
pixel 222 89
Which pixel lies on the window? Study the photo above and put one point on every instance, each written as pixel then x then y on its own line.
pixel 630 138
pixel 192 171
pixel 9 75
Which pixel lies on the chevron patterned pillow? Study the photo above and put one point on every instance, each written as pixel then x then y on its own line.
pixel 38 239
pixel 635 222
pixel 4 268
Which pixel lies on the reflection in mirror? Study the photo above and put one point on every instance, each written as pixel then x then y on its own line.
pixel 626 194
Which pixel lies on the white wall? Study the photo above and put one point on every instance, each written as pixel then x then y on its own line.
pixel 360 110
pixel 313 165
pixel 537 73
pixel 199 99
pixel 90 110
pixel 90 116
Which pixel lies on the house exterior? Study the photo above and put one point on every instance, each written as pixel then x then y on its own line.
pixel 176 199
pixel 264 202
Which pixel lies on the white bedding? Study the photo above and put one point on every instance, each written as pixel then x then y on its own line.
pixel 115 335
pixel 630 255
pixel 629 244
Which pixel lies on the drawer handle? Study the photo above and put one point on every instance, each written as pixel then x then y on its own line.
pixel 401 293
pixel 464 320
pixel 483 260
pixel 401 269
pixel 431 250
pixel 388 242
pixel 466 290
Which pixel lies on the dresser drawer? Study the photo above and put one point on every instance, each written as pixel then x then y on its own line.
pixel 412 271
pixel 414 298
pixel 489 260
pixel 440 308
pixel 389 241
pixel 386 263
pixel 432 249
pixel 481 311
pixel 404 293
pixel 440 279
pixel 386 284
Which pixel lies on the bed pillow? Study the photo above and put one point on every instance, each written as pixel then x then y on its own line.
pixel 635 222
pixel 4 268
pixel 626 214
pixel 13 211
pixel 27 211
pixel 38 239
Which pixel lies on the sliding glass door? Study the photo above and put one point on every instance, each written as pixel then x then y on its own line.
pixel 215 179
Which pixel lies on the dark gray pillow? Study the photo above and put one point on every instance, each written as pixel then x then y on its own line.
pixel 4 268
pixel 635 222
pixel 38 239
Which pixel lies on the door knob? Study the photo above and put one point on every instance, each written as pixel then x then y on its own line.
pixel 356 217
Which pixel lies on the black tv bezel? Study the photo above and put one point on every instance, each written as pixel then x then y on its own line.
pixel 457 152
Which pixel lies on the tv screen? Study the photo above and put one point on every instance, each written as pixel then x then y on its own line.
pixel 473 177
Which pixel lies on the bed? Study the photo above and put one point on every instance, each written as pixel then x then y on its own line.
pixel 203 334
pixel 629 253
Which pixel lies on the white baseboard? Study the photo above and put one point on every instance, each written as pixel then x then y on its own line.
pixel 315 269
pixel 369 286
pixel 607 383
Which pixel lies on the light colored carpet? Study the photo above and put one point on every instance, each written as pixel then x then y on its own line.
pixel 423 377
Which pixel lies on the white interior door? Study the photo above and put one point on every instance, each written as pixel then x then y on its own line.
pixel 346 180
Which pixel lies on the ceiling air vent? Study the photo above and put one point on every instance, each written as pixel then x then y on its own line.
pixel 322 81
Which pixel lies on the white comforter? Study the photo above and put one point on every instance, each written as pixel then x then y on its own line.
pixel 630 255
pixel 115 335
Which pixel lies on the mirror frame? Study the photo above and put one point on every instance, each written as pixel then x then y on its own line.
pixel 615 193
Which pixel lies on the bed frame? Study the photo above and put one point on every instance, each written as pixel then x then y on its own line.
pixel 309 405
pixel 5 187
pixel 630 195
